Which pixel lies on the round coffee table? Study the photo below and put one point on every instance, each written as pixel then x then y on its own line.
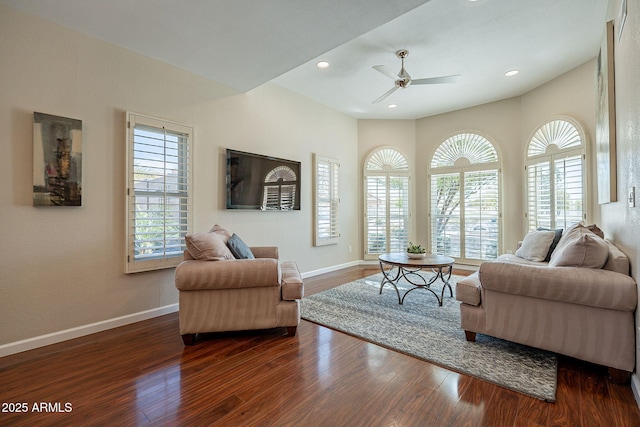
pixel 408 268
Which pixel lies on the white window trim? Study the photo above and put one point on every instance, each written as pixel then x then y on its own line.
pixel 467 167
pixel 334 199
pixel 387 171
pixel 554 154
pixel 131 264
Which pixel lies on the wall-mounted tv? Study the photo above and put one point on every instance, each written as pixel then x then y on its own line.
pixel 261 182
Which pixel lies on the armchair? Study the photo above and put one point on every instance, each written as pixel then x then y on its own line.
pixel 238 294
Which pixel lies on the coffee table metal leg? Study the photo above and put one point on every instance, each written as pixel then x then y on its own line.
pixel 425 285
pixel 438 274
pixel 445 282
pixel 386 278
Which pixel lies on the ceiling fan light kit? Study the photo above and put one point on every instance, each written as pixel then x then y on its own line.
pixel 403 79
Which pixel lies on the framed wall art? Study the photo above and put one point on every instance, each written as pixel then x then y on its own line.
pixel 606 120
pixel 622 17
pixel 57 161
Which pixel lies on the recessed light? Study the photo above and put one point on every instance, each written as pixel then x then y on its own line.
pixel 322 65
pixel 511 73
pixel 392 105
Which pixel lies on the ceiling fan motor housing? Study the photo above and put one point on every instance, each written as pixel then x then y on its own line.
pixel 405 78
pixel 404 82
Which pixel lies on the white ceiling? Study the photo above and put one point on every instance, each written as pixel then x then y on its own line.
pixel 246 43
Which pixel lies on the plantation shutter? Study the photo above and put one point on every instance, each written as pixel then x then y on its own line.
pixel 387 222
pixel 481 214
pixel 568 188
pixel 539 195
pixel 327 200
pixel 398 208
pixel 376 214
pixel 445 214
pixel 158 192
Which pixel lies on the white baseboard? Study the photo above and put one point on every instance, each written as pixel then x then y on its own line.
pixel 80 331
pixel 330 269
pixel 635 387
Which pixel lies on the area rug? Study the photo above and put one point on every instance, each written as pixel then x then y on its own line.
pixel 423 329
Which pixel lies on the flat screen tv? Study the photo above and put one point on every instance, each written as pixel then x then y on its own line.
pixel 261 182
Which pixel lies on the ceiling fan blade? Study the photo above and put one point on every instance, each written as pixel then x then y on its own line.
pixel 386 71
pixel 387 93
pixel 435 80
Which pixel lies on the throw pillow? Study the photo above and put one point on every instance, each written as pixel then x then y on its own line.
pixel 580 248
pixel 221 232
pixel 617 260
pixel 535 245
pixel 238 248
pixel 207 247
pixel 556 239
pixel 595 230
pixel 566 235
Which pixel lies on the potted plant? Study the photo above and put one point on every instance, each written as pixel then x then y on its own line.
pixel 415 251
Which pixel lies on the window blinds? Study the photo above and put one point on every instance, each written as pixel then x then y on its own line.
pixel 158 192
pixel 327 200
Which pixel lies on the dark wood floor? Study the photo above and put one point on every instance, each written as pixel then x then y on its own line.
pixel 141 374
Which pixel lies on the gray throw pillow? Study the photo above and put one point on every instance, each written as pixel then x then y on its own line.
pixel 556 239
pixel 238 248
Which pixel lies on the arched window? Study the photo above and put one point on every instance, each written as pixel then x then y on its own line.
pixel 465 199
pixel 386 183
pixel 555 168
pixel 279 191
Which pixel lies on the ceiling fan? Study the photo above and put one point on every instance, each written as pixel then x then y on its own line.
pixel 403 79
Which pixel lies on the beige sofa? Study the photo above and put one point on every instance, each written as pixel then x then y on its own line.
pixel 229 294
pixel 585 313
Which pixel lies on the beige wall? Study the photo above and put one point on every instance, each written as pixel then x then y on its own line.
pixel 62 268
pixel 619 221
